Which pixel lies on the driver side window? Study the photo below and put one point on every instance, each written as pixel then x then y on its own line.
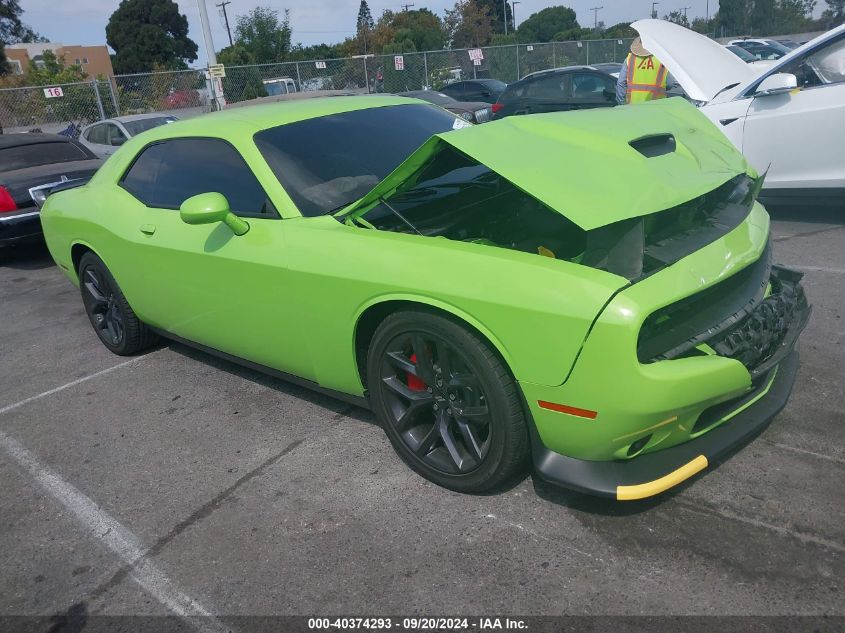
pixel 167 173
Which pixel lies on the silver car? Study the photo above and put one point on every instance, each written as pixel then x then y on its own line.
pixel 104 137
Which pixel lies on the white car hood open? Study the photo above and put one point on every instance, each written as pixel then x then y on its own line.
pixel 700 65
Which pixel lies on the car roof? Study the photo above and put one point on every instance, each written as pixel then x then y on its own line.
pixel 561 70
pixel 29 138
pixel 133 117
pixel 254 118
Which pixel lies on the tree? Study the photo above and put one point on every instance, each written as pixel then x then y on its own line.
pixel 149 33
pixel 620 30
pixel 364 24
pixel 546 23
pixel 792 16
pixel 236 55
pixel 52 71
pixel 422 27
pixel 734 17
pixel 12 30
pixel 499 14
pixel 677 17
pixel 468 24
pixel 834 15
pixel 264 35
pixel 763 16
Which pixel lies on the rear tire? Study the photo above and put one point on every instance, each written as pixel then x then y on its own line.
pixel 447 403
pixel 111 316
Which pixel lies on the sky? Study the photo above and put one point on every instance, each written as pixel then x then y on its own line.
pixel 312 21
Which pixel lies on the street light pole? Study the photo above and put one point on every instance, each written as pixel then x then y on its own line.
pixel 513 12
pixel 505 11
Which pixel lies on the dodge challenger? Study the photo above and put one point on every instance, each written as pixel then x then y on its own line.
pixel 592 293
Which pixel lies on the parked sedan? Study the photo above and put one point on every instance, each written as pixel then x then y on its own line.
pixel 486 90
pixel 104 137
pixel 487 290
pixel 787 119
pixel 570 88
pixel 762 48
pixel 30 166
pixel 473 111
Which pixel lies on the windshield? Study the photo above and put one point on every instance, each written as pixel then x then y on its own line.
pixel 142 125
pixel 326 163
pixel 495 85
pixel 743 54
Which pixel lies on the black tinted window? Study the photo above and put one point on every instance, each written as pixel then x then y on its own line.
pixel 166 174
pixel 552 87
pixel 591 85
pixel 328 162
pixel 24 156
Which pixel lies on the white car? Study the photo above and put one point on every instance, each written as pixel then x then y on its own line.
pixel 748 58
pixel 788 119
pixel 104 137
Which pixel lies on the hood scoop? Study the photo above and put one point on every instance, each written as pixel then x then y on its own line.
pixel 653 146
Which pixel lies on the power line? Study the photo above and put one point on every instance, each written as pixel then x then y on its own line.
pixel 222 5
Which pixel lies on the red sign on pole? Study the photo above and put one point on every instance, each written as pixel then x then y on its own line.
pixel 476 53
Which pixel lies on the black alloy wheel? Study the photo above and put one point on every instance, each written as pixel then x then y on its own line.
pixel 446 402
pixel 114 321
pixel 101 306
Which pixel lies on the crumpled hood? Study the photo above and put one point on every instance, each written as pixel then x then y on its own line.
pixel 582 165
pixel 702 66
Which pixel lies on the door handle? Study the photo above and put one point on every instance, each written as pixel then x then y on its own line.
pixel 148 229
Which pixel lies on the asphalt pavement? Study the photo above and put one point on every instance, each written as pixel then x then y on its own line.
pixel 177 483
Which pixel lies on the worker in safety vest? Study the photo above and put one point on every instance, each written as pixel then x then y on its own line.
pixel 642 77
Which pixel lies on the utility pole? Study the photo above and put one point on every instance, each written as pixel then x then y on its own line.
pixel 684 9
pixel 206 33
pixel 654 10
pixel 222 5
pixel 406 6
pixel 505 11
pixel 213 90
pixel 595 11
pixel 513 12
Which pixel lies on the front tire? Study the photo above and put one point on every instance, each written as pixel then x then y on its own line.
pixel 111 316
pixel 447 403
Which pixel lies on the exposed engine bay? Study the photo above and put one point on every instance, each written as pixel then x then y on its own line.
pixel 456 197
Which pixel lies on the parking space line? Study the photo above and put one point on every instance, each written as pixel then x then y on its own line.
pixel 73 383
pixel 111 533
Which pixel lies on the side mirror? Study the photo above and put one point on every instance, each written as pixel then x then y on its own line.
pixel 209 208
pixel 778 83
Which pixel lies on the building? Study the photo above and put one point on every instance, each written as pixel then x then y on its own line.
pixel 94 60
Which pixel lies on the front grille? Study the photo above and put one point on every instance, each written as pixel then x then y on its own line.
pixel 736 318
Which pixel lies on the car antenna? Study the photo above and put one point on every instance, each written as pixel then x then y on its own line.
pixel 399 215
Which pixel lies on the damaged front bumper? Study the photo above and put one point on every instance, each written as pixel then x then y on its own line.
pixel 717 380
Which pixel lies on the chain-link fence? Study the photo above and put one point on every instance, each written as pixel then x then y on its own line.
pixel 67 108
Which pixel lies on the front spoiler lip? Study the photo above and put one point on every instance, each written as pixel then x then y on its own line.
pixel 653 473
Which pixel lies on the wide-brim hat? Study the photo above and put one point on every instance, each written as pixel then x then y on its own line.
pixel 638 49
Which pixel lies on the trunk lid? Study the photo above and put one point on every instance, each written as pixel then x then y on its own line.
pixel 20 181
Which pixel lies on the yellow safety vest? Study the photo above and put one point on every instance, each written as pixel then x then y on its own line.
pixel 646 79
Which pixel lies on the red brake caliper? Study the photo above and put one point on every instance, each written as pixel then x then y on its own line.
pixel 414 382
